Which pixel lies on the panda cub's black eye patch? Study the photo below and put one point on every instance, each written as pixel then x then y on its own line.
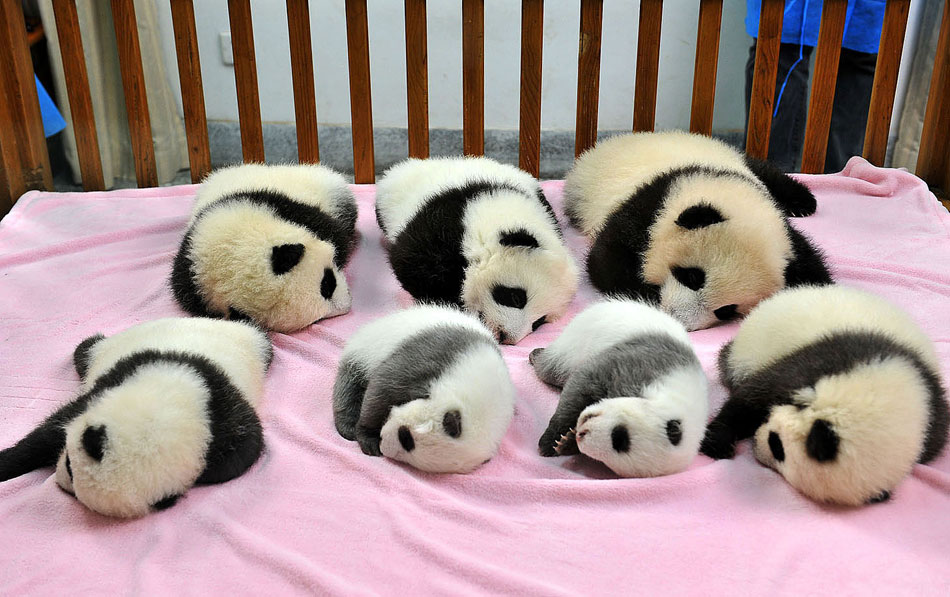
pixel 405 439
pixel 537 323
pixel 93 441
pixel 674 431
pixel 165 503
pixel 691 277
pixel 727 313
pixel 506 296
pixel 452 423
pixel 620 438
pixel 775 445
pixel 69 469
pixel 518 238
pixel 699 216
pixel 328 284
pixel 283 258
pixel 822 441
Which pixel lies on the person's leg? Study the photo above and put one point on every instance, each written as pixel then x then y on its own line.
pixel 788 125
pixel 850 112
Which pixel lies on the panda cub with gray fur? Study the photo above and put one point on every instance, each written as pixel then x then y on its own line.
pixel 633 391
pixel 268 244
pixel 839 390
pixel 478 234
pixel 163 405
pixel 690 223
pixel 426 386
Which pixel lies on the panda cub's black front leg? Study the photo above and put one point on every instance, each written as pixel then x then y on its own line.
pixel 737 420
pixel 368 440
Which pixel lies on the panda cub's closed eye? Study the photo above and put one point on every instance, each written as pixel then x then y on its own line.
pixel 727 313
pixel 674 431
pixel 620 438
pixel 507 296
pixel 538 323
pixel 775 445
pixel 93 442
pixel 691 277
pixel 452 423
pixel 283 258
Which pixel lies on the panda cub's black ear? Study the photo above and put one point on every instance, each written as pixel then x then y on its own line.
pixel 518 238
pixel 699 216
pixel 283 258
pixel 822 441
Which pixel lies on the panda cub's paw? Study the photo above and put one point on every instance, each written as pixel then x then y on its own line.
pixel 369 442
pixel 718 444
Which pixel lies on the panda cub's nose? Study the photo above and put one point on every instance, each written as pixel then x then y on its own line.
pixel 405 439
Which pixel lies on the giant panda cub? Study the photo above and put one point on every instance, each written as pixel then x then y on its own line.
pixel 426 386
pixel 268 243
pixel 839 390
pixel 163 405
pixel 689 222
pixel 478 234
pixel 634 393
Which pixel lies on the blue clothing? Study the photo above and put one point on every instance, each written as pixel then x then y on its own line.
pixel 52 120
pixel 862 30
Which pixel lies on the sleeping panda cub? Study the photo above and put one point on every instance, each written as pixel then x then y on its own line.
pixel 268 243
pixel 162 406
pixel 634 393
pixel 689 222
pixel 426 386
pixel 839 390
pixel 478 234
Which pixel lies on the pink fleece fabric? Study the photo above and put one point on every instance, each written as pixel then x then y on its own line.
pixel 314 515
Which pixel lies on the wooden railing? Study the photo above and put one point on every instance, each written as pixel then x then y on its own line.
pixel 25 163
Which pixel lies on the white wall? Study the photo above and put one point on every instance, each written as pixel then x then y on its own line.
pixel 502 62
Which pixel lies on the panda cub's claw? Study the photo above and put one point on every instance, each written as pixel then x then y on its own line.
pixel 562 446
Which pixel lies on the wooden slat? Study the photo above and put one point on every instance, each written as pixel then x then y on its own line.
pixel 588 75
pixel 77 92
pixel 245 79
pixel 23 156
pixel 301 68
pixel 707 62
pixel 763 78
pixel 133 85
pixel 648 65
pixel 417 78
pixel 361 103
pixel 885 81
pixel 192 91
pixel 529 125
pixel 473 77
pixel 933 161
pixel 823 86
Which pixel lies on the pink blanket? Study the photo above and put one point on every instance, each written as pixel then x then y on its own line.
pixel 315 515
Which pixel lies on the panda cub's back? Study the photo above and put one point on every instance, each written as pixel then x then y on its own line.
pixel 242 351
pixel 409 185
pixel 312 185
pixel 798 317
pixel 609 173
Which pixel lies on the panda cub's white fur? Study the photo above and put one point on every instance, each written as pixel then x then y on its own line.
pixel 268 243
pixel 839 389
pixel 478 234
pixel 690 223
pixel 163 405
pixel 426 386
pixel 634 394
